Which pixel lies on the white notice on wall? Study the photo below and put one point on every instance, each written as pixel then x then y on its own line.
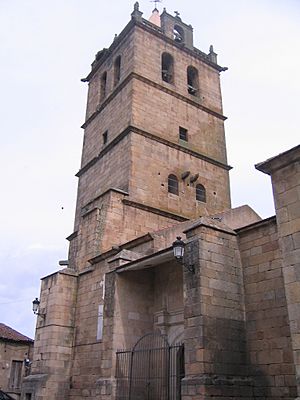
pixel 100 322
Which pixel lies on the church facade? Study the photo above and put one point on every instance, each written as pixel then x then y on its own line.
pixel 125 319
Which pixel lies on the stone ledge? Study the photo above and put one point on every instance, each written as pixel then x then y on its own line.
pixel 127 245
pixel 89 204
pixel 35 377
pixel 154 210
pixel 133 129
pixel 280 161
pixel 211 223
pixel 87 270
pixel 65 271
pixel 72 236
pixel 258 224
pixel 149 82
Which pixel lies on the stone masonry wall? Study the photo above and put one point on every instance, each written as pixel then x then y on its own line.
pixel 285 173
pixel 162 114
pixel 50 371
pixel 126 51
pixel 133 315
pixel 168 301
pixel 153 162
pixel 113 119
pixel 148 52
pixel 109 222
pixel 268 330
pixel 125 222
pixel 88 347
pixel 215 343
pixel 102 176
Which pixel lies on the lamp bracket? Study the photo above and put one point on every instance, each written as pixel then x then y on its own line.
pixel 188 267
pixel 43 315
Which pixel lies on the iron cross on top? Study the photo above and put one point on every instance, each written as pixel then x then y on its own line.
pixel 155 1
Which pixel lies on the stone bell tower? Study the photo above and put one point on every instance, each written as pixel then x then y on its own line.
pixel 154 148
pixel 154 155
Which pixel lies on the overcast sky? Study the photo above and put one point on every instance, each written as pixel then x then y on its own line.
pixel 48 46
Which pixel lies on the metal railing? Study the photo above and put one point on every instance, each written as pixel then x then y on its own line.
pixel 150 373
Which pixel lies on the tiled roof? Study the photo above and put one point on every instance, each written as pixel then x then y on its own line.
pixel 7 333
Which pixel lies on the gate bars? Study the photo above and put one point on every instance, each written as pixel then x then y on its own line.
pixel 152 370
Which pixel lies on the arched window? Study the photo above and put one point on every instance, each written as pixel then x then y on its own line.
pixel 173 184
pixel 167 68
pixel 103 86
pixel 117 70
pixel 192 81
pixel 200 193
pixel 178 34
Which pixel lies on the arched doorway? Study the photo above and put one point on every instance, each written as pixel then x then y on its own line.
pixel 151 370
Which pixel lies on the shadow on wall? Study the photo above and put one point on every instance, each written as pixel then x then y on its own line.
pixel 232 374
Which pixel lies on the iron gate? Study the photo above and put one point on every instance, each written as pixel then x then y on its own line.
pixel 152 370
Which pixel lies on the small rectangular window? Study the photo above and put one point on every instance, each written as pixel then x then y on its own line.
pixel 105 137
pixel 183 134
pixel 28 396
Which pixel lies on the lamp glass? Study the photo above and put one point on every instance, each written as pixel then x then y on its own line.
pixel 178 252
pixel 35 305
pixel 178 248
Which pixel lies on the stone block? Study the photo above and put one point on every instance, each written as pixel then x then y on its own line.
pixel 290 227
pixel 293 292
pixel 296 240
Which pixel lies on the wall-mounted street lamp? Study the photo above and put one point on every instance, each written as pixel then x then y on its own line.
pixel 178 251
pixel 27 362
pixel 35 308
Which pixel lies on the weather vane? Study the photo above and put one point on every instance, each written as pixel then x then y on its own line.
pixel 156 1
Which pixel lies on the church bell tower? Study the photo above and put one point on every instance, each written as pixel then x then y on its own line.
pixel 154 150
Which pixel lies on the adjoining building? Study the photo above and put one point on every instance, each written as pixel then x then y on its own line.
pixel 126 319
pixel 15 354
